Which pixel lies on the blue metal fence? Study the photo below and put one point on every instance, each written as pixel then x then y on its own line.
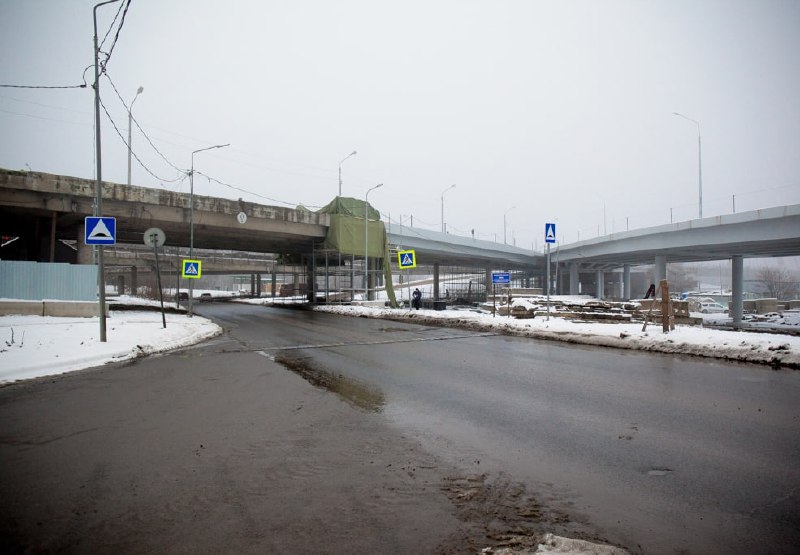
pixel 36 281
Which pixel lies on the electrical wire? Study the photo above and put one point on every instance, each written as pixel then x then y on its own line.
pixel 44 86
pixel 116 36
pixel 241 190
pixel 127 108
pixel 121 136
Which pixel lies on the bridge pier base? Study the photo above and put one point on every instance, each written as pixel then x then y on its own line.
pixel 574 279
pixel 601 285
pixel 737 289
pixel 435 281
pixel 626 282
pixel 660 269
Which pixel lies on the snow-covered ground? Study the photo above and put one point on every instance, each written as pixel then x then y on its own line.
pixel 34 346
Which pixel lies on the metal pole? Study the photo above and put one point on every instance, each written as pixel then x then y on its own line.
pixel 548 282
pixel 699 162
pixel 366 241
pixel 444 229
pixel 191 221
pixel 340 169
pixel 101 278
pixel 130 124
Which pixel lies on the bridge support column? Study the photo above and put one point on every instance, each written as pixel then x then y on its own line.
pixel 274 280
pixel 626 282
pixel 134 281
pixel 121 284
pixel 85 252
pixel 601 285
pixel 660 269
pixel 574 279
pixel 737 289
pixel 435 281
pixel 258 285
pixel 488 282
pixel 252 285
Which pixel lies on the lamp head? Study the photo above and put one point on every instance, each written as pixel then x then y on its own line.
pixel 140 90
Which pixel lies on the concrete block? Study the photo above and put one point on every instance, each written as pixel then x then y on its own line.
pixel 75 309
pixel 763 306
pixel 21 308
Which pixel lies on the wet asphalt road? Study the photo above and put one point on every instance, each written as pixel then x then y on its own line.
pixel 665 454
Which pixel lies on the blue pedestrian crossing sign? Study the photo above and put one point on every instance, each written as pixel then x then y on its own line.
pixel 100 231
pixel 549 233
pixel 192 269
pixel 406 259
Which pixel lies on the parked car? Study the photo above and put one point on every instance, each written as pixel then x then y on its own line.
pixel 206 298
pixel 183 296
pixel 712 308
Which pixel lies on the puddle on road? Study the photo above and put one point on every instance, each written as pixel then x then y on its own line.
pixel 352 391
pixel 659 472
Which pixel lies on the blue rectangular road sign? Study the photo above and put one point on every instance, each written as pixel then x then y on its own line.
pixel 100 230
pixel 501 277
pixel 549 233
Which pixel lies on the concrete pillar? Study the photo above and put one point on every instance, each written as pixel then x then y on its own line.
pixel 660 269
pixel 134 281
pixel 574 279
pixel 121 284
pixel 435 281
pixel 626 282
pixel 85 254
pixel 737 289
pixel 601 285
pixel 252 285
pixel 258 285
pixel 488 281
pixel 274 282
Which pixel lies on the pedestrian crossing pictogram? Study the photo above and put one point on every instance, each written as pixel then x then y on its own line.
pixel 407 259
pixel 192 269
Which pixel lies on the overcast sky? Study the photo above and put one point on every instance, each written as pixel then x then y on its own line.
pixel 562 110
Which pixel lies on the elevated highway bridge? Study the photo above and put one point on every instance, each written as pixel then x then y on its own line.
pixel 43 209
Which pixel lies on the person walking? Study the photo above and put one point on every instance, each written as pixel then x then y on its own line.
pixel 416 298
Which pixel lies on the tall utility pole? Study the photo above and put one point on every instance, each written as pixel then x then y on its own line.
pixel 699 162
pixel 130 138
pixel 98 206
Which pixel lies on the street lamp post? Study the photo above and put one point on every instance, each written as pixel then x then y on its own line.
pixel 366 241
pixel 444 229
pixel 191 219
pixel 139 91
pixel 504 223
pixel 340 169
pixel 699 161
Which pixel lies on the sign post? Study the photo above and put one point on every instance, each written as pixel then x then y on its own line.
pixel 155 238
pixel 407 260
pixel 191 269
pixel 549 238
pixel 503 278
pixel 100 231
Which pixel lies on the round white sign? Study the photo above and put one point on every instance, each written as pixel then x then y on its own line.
pixel 242 217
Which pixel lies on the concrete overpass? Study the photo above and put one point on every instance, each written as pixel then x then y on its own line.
pixel 45 208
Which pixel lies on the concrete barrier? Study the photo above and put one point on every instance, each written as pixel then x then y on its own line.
pixel 764 306
pixel 21 308
pixel 72 309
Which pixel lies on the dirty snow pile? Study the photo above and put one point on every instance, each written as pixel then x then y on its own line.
pixel 34 346
pixel 775 349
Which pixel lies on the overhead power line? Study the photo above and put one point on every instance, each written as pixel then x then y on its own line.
pixel 122 137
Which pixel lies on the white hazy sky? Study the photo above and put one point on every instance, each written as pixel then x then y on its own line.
pixel 562 110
